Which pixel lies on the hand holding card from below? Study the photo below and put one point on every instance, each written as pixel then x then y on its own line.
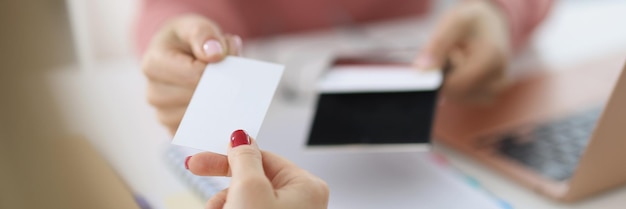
pixel 260 179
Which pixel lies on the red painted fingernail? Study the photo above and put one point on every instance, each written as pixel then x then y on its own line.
pixel 239 137
pixel 187 162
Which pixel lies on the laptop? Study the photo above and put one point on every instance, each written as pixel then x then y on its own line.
pixel 560 133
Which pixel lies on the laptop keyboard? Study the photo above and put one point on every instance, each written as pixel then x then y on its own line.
pixel 552 149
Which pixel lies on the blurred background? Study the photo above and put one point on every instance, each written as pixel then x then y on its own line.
pixel 39 37
pixel 42 163
pixel 60 61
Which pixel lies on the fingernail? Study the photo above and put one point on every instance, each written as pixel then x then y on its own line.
pixel 239 137
pixel 212 48
pixel 423 62
pixel 238 42
pixel 187 162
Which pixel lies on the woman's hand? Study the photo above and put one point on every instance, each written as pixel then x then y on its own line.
pixel 260 179
pixel 175 60
pixel 474 36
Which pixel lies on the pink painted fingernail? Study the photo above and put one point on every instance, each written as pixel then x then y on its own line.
pixel 187 162
pixel 212 48
pixel 238 42
pixel 423 61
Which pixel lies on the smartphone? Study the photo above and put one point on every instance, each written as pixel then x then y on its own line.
pixel 374 105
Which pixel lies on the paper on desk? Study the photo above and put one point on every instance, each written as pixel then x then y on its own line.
pixel 232 94
pixel 378 78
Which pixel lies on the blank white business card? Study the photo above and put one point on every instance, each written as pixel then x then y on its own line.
pixel 232 94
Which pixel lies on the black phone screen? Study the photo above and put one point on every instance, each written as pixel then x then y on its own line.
pixel 373 118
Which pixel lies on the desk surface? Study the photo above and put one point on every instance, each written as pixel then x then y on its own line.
pixel 119 123
pixel 107 103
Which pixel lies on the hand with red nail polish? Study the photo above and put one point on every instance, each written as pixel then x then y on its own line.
pixel 260 179
pixel 175 59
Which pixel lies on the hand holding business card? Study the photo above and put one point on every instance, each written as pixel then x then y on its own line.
pixel 232 94
pixel 375 105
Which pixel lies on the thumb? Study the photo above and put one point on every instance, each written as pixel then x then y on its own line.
pixel 204 38
pixel 244 157
pixel 448 34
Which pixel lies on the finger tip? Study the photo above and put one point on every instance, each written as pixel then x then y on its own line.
pixel 426 62
pixel 239 137
pixel 187 162
pixel 191 165
pixel 238 42
pixel 422 68
pixel 207 164
pixel 214 58
pixel 212 51
pixel 234 45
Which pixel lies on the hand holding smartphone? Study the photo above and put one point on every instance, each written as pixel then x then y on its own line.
pixel 374 105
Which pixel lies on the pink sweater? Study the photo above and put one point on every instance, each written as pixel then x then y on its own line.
pixel 254 18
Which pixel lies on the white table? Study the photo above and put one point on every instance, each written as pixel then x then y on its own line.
pixel 108 106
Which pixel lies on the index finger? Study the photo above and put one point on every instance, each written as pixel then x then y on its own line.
pixel 196 31
pixel 208 164
pixel 448 33
pixel 172 67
